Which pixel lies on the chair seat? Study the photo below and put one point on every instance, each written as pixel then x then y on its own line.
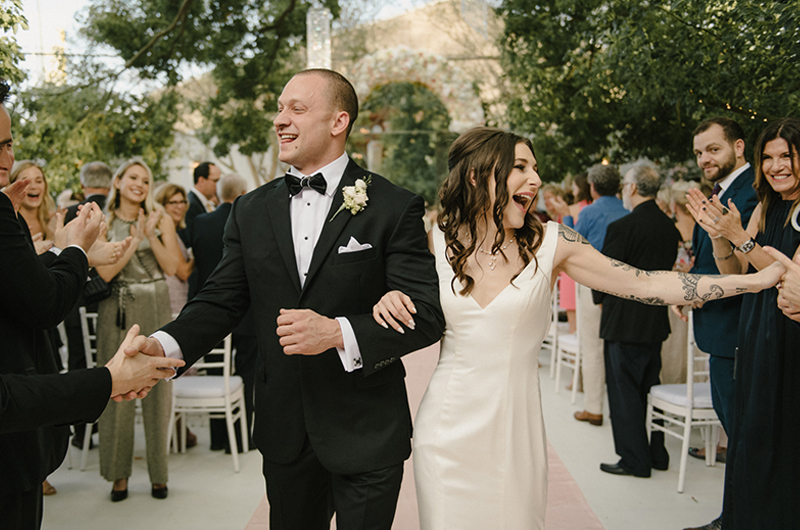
pixel 568 342
pixel 204 386
pixel 676 394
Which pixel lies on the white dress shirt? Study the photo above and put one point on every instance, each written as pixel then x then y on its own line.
pixel 309 211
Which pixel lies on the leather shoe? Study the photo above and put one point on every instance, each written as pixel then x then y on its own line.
pixel 721 454
pixel 119 495
pixel 617 469
pixel 159 493
pixel 716 524
pixel 593 419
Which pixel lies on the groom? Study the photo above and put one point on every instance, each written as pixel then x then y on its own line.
pixel 332 418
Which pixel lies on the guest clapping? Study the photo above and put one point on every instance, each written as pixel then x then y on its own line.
pixel 37 206
pixel 139 295
pixel 760 486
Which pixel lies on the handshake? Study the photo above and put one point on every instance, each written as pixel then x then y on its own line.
pixel 134 373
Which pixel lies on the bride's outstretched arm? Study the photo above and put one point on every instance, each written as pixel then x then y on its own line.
pixel 587 266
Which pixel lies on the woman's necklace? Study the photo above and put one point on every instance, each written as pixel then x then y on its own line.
pixel 493 255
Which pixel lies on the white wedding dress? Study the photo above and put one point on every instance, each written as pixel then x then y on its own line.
pixel 480 455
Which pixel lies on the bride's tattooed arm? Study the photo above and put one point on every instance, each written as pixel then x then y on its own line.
pixel 587 266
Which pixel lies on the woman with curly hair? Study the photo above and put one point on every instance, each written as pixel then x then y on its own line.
pixel 480 456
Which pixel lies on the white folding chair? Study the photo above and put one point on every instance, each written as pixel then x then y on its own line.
pixel 686 406
pixel 89 330
pixel 550 341
pixel 217 396
pixel 568 353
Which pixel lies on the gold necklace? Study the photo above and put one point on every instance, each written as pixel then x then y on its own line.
pixel 493 255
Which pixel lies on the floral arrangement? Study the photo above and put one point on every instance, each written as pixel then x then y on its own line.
pixel 355 197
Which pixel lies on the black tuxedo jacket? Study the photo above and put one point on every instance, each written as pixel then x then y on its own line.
pixel 72 211
pixel 647 239
pixel 33 299
pixel 31 401
pixel 716 324
pixel 207 246
pixel 356 422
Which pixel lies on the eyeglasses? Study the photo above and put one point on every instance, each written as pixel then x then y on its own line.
pixel 176 202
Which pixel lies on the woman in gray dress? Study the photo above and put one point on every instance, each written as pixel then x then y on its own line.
pixel 139 295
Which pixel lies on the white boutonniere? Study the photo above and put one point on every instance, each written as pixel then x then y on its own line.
pixel 355 197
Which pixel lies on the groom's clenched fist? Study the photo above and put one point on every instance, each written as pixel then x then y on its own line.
pixel 305 332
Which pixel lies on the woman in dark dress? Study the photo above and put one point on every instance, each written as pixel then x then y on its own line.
pixel 763 463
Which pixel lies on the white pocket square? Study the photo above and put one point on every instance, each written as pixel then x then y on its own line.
pixel 354 246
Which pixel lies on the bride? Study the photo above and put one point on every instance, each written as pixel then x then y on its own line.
pixel 480 456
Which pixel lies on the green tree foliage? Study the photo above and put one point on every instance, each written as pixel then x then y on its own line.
pixel 415 135
pixel 620 79
pixel 251 47
pixel 11 20
pixel 68 126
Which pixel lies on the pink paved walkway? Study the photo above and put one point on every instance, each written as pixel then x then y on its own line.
pixel 566 506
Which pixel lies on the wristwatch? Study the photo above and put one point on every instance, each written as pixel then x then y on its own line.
pixel 747 246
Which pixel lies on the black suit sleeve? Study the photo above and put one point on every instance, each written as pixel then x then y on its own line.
pixel 30 402
pixel 410 268
pixel 615 247
pixel 32 292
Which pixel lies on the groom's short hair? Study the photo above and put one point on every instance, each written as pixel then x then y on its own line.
pixel 342 95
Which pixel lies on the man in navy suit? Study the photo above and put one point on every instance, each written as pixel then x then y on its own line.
pixel 310 254
pixel 719 149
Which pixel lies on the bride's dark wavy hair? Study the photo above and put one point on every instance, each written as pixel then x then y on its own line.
pixel 480 153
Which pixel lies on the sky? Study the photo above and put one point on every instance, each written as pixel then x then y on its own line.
pixel 49 19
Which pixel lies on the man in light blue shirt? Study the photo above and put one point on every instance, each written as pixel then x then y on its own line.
pixel 592 223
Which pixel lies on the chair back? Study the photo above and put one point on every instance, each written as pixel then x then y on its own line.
pixel 226 350
pixel 694 357
pixel 89 330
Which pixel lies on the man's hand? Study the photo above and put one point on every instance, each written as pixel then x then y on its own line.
pixel 16 192
pixel 146 345
pixel 134 375
pixel 84 229
pixel 304 332
pixel 789 286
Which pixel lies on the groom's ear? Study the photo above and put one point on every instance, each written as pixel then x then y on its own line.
pixel 340 123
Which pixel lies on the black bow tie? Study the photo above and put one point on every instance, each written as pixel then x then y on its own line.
pixel 296 185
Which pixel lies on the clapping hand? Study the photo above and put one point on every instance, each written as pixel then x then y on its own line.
pixel 789 286
pixel 16 192
pixel 41 244
pixel 716 218
pixel 81 231
pixel 105 253
pixel 133 374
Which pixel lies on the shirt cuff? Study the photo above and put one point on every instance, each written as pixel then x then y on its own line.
pixel 57 251
pixel 171 347
pixel 350 354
